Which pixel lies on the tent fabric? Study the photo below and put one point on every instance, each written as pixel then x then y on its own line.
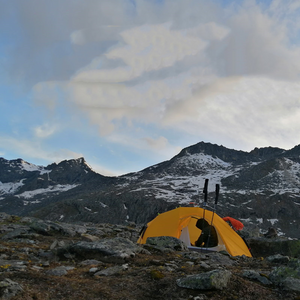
pixel 181 223
pixel 236 224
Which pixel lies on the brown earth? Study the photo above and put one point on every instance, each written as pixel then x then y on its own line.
pixel 146 278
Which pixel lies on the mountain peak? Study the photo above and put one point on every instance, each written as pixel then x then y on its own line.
pixel 226 154
pixel 266 152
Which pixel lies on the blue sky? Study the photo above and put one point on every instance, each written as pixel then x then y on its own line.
pixel 129 83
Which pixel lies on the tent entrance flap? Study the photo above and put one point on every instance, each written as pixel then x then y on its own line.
pixel 185 236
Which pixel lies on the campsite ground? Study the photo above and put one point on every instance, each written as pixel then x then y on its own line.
pixel 146 278
pixel 150 275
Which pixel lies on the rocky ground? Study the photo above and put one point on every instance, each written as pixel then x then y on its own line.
pixel 50 260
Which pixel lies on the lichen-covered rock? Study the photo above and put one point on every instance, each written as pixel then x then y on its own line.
pixel 21 232
pixel 263 247
pixel 278 258
pixel 112 270
pixel 9 288
pixel 40 227
pixel 168 242
pixel 216 279
pixel 50 228
pixel 156 274
pixel 287 277
pixel 59 271
pixel 110 250
pixel 254 275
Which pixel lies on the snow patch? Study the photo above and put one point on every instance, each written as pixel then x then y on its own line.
pixel 273 221
pixel 103 205
pixel 55 188
pixel 10 187
pixel 31 168
pixel 31 202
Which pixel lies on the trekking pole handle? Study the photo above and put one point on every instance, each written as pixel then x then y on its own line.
pixel 205 191
pixel 217 193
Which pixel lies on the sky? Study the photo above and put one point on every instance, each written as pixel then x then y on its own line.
pixel 127 84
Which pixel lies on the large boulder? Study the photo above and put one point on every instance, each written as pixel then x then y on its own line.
pixel 213 280
pixel 263 247
pixel 109 250
pixel 288 276
pixel 52 228
pixel 9 288
pixel 168 242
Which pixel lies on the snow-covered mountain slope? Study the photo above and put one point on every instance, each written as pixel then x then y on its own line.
pixel 261 186
pixel 32 184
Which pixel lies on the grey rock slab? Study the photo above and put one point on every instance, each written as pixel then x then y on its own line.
pixel 263 247
pixel 253 275
pixel 93 270
pixel 90 262
pixel 18 232
pixel 48 228
pixel 292 284
pixel 40 227
pixel 168 242
pixel 59 271
pixel 278 258
pixel 9 288
pixel 112 270
pixel 16 265
pixel 217 259
pixel 204 265
pixel 108 250
pixel 89 238
pixel 200 297
pixel 68 229
pixel 37 268
pixel 287 276
pixel 213 280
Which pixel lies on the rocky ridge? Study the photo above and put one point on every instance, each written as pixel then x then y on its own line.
pixel 52 260
pixel 260 187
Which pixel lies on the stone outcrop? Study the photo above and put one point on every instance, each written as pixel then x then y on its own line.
pixel 109 250
pixel 215 279
pixel 266 247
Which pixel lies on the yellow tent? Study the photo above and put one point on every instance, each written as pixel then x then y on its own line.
pixel 181 223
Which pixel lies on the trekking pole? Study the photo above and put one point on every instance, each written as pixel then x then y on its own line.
pixel 204 202
pixel 205 196
pixel 214 209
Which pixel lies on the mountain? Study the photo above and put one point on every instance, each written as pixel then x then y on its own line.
pixel 260 187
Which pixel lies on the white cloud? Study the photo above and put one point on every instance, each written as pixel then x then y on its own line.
pixel 45 130
pixel 255 111
pixel 147 48
pixel 30 149
pixel 159 143
pixel 230 76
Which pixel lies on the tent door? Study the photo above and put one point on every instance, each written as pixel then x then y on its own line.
pixel 185 236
